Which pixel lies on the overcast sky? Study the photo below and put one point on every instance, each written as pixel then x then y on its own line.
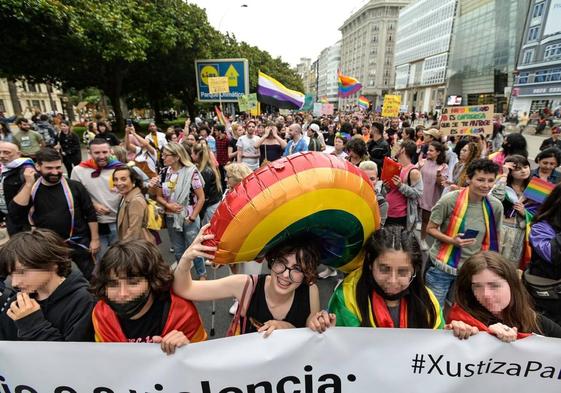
pixel 288 28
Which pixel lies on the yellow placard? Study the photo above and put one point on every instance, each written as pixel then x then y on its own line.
pixel 218 85
pixel 391 106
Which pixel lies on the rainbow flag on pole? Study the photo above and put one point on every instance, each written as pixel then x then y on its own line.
pixel 347 85
pixel 363 102
pixel 538 190
pixel 220 116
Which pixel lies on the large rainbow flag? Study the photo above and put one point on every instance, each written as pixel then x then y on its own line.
pixel 272 92
pixel 347 85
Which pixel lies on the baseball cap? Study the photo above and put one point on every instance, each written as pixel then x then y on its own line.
pixel 432 132
pixel 314 127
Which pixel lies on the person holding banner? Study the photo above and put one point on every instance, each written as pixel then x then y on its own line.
pixel 52 302
pixel 389 291
pixel 287 298
pixel 137 304
pixel 490 297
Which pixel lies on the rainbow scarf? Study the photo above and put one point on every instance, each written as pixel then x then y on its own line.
pixel 457 313
pixel 347 85
pixel 91 164
pixel 182 316
pixel 449 253
pixel 363 102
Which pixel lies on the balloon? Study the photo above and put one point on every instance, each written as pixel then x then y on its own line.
pixel 306 194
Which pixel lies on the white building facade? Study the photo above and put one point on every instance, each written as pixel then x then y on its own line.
pixel 367 49
pixel 25 98
pixel 328 63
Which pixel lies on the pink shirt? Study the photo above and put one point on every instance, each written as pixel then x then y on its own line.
pixel 397 202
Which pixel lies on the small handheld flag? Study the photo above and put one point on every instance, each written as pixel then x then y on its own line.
pixel 538 189
pixel 347 85
pixel 363 102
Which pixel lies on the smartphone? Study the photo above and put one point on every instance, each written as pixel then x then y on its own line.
pixel 470 234
pixel 129 123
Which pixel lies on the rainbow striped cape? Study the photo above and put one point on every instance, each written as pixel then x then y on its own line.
pixel 347 85
pixel 182 316
pixel 450 254
pixel 343 303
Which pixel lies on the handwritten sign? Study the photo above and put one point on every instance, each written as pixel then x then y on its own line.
pixel 391 106
pixel 218 85
pixel 467 120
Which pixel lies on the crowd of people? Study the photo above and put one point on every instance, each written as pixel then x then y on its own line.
pixel 460 246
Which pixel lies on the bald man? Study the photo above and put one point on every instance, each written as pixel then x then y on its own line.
pixel 11 180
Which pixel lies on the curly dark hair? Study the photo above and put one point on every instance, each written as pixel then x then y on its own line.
pixel 36 249
pixel 138 258
pixel 421 310
pixel 307 256
pixel 357 146
pixel 515 144
pixel 482 164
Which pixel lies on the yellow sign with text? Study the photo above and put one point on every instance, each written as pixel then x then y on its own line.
pixel 218 85
pixel 391 106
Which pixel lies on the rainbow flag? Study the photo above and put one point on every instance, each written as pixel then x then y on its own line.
pixel 363 102
pixel 221 118
pixel 324 100
pixel 538 189
pixel 270 91
pixel 347 85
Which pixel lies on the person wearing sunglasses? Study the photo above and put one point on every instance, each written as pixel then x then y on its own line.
pixel 389 290
pixel 284 299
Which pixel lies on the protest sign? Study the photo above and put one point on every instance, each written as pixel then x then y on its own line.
pixel 327 109
pixel 247 102
pixel 342 360
pixel 391 106
pixel 466 120
pixel 218 85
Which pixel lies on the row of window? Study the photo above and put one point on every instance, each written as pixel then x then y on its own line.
pixel 551 75
pixel 552 52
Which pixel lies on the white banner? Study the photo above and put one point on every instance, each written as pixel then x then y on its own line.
pixel 290 361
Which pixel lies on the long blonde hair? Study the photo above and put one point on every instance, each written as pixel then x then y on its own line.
pixel 202 152
pixel 177 150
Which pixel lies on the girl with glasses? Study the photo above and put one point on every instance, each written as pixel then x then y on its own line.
pixel 389 290
pixel 284 299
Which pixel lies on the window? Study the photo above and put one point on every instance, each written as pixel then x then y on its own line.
pixel 533 33
pixel 552 52
pixel 2 106
pixel 36 104
pixel 32 87
pixel 528 56
pixel 523 78
pixel 538 10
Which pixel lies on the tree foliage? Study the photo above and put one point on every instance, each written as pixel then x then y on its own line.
pixel 127 48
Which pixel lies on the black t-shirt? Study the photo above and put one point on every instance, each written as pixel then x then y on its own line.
pixel 151 324
pixel 259 309
pixel 51 210
pixel 233 144
pixel 109 137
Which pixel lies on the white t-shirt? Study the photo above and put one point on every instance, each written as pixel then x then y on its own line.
pixel 247 146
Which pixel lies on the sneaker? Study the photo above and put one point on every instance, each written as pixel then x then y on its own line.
pixel 234 308
pixel 327 272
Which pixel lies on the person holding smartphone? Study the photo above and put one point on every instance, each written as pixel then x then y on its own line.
pixel 471 208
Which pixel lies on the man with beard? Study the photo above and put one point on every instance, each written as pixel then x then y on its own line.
pixel 297 143
pixel 393 131
pixel 95 174
pixel 28 141
pixel 61 205
pixel 11 181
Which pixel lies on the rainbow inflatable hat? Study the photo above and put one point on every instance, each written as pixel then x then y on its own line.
pixel 306 194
